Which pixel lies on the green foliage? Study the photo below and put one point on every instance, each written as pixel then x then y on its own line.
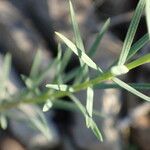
pixel 58 88
pixel 131 32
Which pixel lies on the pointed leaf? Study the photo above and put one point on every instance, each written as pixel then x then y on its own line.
pixel 148 15
pixel 36 65
pixel 131 32
pixel 98 39
pixel 89 105
pixel 78 39
pixel 78 52
pixel 131 89
pixel 47 106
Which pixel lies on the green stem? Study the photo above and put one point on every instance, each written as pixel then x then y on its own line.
pixel 58 94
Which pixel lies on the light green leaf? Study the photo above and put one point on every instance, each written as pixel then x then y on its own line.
pixel 7 67
pixel 137 86
pixel 71 74
pixel 84 71
pixel 3 121
pixel 78 39
pixel 36 65
pixel 94 66
pixel 38 120
pixel 47 106
pixel 58 77
pixel 138 45
pixel 93 125
pixel 131 32
pixel 131 89
pixel 45 72
pixel 65 60
pixel 60 87
pixel 79 44
pixel 78 52
pixel 96 131
pixel 140 61
pixel 89 105
pixel 98 39
pixel 5 74
pixel 66 105
pixel 79 104
pixel 148 15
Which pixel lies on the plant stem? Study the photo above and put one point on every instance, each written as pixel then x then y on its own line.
pixel 58 94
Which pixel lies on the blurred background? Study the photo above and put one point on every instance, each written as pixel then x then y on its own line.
pixel 27 26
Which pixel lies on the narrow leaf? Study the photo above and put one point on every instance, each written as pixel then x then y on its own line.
pixel 78 39
pixel 36 65
pixel 89 105
pixel 96 131
pixel 138 45
pixel 131 89
pixel 137 86
pixel 148 15
pixel 98 39
pixel 60 87
pixel 78 52
pixel 93 125
pixel 65 60
pixel 131 32
pixel 94 66
pixel 5 75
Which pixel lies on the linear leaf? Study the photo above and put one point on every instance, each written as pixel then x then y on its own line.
pixel 138 45
pixel 78 52
pixel 7 67
pixel 148 15
pixel 5 76
pixel 36 64
pixel 94 66
pixel 79 45
pixel 78 39
pixel 44 73
pixel 60 87
pixel 98 39
pixel 79 104
pixel 84 71
pixel 135 48
pixel 37 119
pixel 93 125
pixel 42 76
pixel 131 89
pixel 61 104
pixel 89 105
pixel 140 61
pixel 96 131
pixel 58 77
pixel 137 86
pixel 131 32
pixel 71 74
pixel 65 60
